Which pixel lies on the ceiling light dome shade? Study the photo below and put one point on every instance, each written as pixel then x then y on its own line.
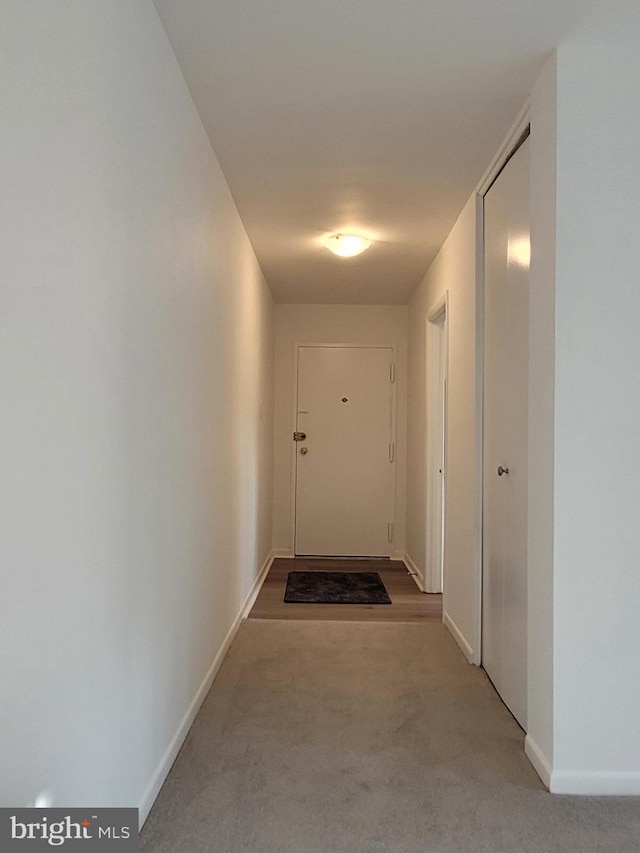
pixel 347 245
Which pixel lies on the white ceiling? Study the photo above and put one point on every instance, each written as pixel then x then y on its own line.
pixel 371 116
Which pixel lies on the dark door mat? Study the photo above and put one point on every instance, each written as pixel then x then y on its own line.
pixel 335 588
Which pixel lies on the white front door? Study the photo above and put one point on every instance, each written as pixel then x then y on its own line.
pixel 504 622
pixel 345 465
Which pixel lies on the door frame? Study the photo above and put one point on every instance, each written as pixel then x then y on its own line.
pixel 437 381
pixel 393 438
pixel 509 146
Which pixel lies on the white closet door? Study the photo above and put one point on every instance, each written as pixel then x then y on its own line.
pixel 506 367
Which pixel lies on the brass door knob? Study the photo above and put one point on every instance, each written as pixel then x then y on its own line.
pixel 304 451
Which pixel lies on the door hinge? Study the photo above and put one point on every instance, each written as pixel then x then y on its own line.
pixel 392 452
pixel 392 372
pixel 390 531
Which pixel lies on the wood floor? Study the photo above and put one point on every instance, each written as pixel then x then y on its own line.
pixel 408 604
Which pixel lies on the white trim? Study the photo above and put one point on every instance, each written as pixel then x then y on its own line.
pixel 541 763
pixel 438 307
pixel 414 571
pixel 594 783
pixel 459 637
pixel 479 428
pixel 283 553
pixel 256 587
pixel 166 762
pixel 436 392
pixel 515 132
pixel 293 453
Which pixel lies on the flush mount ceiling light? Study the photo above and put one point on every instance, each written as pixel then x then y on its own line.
pixel 346 245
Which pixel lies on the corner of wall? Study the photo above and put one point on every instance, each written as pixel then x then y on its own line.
pixel 541 422
pixel 413 570
pixel 164 766
pixel 539 760
pixel 461 640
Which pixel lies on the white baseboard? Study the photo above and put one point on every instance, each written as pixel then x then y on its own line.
pixel 459 637
pixel 418 582
pixel 287 553
pixel 255 589
pixel 594 783
pixel 586 783
pixel 166 762
pixel 541 763
pixel 414 571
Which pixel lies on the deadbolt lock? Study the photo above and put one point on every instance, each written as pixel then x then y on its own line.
pixel 304 451
pixel 299 436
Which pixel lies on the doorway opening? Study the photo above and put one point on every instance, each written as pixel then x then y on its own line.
pixel 436 400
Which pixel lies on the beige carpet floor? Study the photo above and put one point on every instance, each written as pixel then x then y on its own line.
pixel 338 737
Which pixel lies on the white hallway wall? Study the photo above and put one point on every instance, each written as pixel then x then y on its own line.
pixel 360 324
pixel 136 338
pixel 452 272
pixel 584 539
pixel 585 733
